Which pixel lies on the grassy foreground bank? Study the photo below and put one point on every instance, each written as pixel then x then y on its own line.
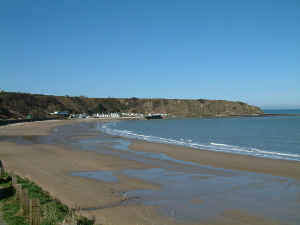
pixel 52 212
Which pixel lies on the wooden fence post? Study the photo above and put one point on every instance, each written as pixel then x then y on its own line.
pixel 34 211
pixel 1 169
pixel 2 172
pixel 18 192
pixel 24 202
pixel 14 182
pixel 11 174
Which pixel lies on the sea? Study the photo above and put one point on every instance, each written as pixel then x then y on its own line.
pixel 274 136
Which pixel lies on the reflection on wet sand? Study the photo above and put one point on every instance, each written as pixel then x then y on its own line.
pixel 192 192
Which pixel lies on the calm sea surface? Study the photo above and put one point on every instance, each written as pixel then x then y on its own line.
pixel 282 111
pixel 269 137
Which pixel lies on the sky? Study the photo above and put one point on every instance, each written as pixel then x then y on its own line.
pixel 236 50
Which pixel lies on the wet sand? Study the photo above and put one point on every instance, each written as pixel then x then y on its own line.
pixel 123 181
pixel 284 168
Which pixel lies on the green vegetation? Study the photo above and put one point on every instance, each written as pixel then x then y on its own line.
pixel 20 105
pixel 51 210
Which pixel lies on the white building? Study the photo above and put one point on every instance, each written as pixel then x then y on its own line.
pixel 101 115
pixel 60 113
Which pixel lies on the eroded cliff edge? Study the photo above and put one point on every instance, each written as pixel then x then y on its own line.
pixel 20 105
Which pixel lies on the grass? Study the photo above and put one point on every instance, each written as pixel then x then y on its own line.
pixel 52 211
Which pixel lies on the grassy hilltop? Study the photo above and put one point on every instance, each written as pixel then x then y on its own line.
pixel 19 105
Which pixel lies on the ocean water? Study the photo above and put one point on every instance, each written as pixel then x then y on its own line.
pixel 190 192
pixel 276 137
pixel 282 111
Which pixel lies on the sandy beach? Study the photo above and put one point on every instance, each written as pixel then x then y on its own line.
pixel 122 181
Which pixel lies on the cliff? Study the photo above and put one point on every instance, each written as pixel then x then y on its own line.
pixel 20 105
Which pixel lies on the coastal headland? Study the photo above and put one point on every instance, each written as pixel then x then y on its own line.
pixel 124 181
pixel 21 105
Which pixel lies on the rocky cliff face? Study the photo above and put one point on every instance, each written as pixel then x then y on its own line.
pixel 20 105
pixel 194 108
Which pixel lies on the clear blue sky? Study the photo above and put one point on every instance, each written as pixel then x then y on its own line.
pixel 238 50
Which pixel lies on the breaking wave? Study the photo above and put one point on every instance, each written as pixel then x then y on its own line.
pixel 111 128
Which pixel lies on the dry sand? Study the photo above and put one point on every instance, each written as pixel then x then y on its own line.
pixel 49 166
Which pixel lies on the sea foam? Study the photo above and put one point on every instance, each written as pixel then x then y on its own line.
pixel 111 128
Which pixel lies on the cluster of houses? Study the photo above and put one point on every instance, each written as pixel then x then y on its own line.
pixel 98 115
pixel 80 116
pixel 132 114
pixel 65 113
pixel 102 115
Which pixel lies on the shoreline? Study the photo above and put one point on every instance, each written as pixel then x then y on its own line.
pixel 50 164
pixel 24 120
pixel 231 161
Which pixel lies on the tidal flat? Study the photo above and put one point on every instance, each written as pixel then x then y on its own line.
pixel 129 181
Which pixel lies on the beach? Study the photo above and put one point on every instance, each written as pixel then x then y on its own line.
pixel 124 181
